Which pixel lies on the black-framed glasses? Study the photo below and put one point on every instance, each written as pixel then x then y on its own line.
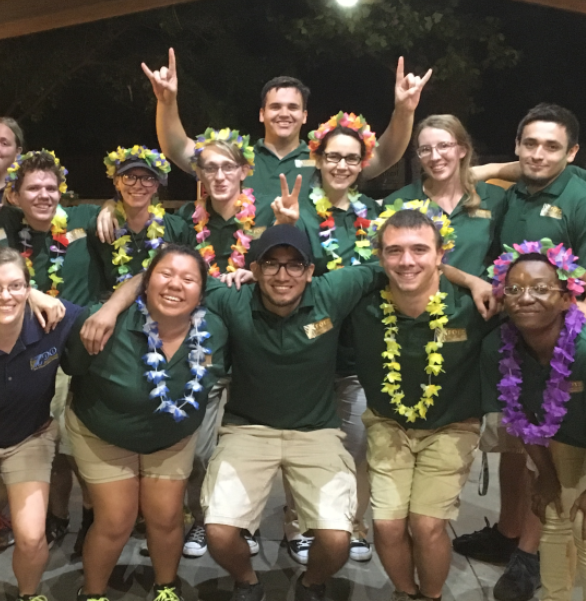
pixel 336 157
pixel 293 268
pixel 535 291
pixel 148 181
pixel 424 152
pixel 227 168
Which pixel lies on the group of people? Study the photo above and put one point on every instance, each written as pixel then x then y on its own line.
pixel 286 322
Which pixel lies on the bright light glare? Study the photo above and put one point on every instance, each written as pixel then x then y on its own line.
pixel 347 3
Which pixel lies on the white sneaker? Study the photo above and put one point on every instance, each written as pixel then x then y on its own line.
pixel 299 549
pixel 360 549
pixel 195 544
pixel 252 542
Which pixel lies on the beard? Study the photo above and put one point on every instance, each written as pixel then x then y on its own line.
pixel 537 182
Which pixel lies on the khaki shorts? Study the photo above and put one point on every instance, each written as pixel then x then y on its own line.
pixel 319 471
pixel 30 460
pixel 494 437
pixel 417 471
pixel 59 402
pixel 99 461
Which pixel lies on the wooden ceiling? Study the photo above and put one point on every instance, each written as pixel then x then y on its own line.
pixel 578 6
pixel 21 17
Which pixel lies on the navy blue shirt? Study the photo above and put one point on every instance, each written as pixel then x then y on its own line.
pixel 27 376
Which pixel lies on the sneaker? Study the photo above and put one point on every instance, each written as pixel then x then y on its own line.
pixel 195 544
pixel 167 592
pixel 299 549
pixel 401 596
pixel 6 533
pixel 248 592
pixel 32 598
pixel 252 542
pixel 360 549
pixel 487 545
pixel 55 529
pixel 520 579
pixel 83 597
pixel 87 520
pixel 315 592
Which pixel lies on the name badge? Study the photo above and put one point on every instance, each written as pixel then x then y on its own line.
pixel 299 163
pixel 209 359
pixel 576 386
pixel 551 211
pixel 2 234
pixel 313 330
pixel 44 359
pixel 454 335
pixel 256 232
pixel 482 214
pixel 76 234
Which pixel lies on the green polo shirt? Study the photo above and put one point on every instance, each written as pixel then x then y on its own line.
pixel 222 230
pixel 573 428
pixel 283 367
pixel 575 170
pixel 176 230
pixel 477 243
pixel 81 272
pixel 111 393
pixel 459 397
pixel 557 212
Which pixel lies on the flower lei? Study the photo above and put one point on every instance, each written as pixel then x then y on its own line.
pixel 350 120
pixel 232 136
pixel 391 383
pixel 362 246
pixel 196 360
pixel 59 248
pixel 122 253
pixel 12 171
pixel 153 158
pixel 557 389
pixel 244 218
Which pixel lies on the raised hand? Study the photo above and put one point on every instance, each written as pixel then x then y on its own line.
pixel 408 87
pixel 286 206
pixel 164 80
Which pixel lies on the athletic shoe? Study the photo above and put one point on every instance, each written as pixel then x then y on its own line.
pixel 401 596
pixel 487 545
pixel 315 592
pixel 167 592
pixel 360 549
pixel 520 579
pixel 252 542
pixel 248 592
pixel 55 529
pixel 195 544
pixel 6 533
pixel 83 597
pixel 87 519
pixel 299 549
pixel 32 598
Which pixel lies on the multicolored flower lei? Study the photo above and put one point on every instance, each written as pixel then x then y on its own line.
pixel 122 253
pixel 152 157
pixel 557 389
pixel 350 120
pixel 59 248
pixel 362 246
pixel 244 218
pixel 196 360
pixel 391 384
pixel 12 171
pixel 232 136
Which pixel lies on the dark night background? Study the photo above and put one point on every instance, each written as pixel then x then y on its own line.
pixel 228 48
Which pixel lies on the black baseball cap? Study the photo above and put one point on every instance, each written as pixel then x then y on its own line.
pixel 132 163
pixel 284 235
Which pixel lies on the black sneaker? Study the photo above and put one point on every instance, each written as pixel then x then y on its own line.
pixel 83 597
pixel 167 592
pixel 251 540
pixel 315 592
pixel 6 533
pixel 487 545
pixel 87 520
pixel 195 544
pixel 32 598
pixel 299 549
pixel 248 592
pixel 520 579
pixel 55 529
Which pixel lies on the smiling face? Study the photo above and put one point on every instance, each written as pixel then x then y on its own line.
pixel 137 195
pixel 38 197
pixel 174 289
pixel 221 175
pixel 8 149
pixel 14 293
pixel 283 114
pixel 339 176
pixel 443 164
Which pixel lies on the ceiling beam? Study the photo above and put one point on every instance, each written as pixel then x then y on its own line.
pixel 578 6
pixel 22 17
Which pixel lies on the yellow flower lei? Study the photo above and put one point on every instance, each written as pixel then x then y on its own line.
pixel 391 383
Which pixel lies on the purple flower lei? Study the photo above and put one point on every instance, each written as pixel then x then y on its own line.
pixel 557 390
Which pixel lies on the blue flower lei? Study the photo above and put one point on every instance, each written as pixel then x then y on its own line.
pixel 196 360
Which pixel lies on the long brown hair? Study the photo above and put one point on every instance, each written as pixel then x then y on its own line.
pixel 453 125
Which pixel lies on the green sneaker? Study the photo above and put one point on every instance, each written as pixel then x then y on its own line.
pixel 167 592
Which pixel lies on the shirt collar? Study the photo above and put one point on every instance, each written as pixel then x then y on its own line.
pixel 30 333
pixel 555 189
pixel 301 149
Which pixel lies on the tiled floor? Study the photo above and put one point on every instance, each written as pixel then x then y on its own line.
pixel 203 579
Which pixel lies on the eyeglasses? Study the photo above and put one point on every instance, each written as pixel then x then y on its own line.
pixel 14 288
pixel 336 157
pixel 424 152
pixel 148 181
pixel 536 291
pixel 227 168
pixel 293 268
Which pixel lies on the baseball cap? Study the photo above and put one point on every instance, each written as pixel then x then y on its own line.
pixel 284 235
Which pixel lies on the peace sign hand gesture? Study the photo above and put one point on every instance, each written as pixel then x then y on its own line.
pixel 286 206
pixel 164 81
pixel 408 87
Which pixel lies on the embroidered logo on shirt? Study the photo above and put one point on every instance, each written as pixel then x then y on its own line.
pixel 576 386
pixel 454 335
pixel 44 359
pixel 550 211
pixel 76 234
pixel 313 330
pixel 256 232
pixel 2 234
pixel 304 163
pixel 482 214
